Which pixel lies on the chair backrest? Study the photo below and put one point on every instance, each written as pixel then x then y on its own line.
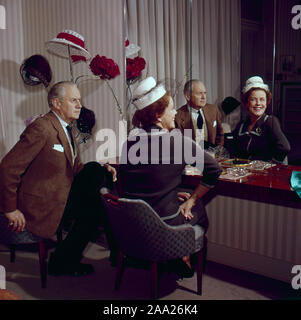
pixel 140 232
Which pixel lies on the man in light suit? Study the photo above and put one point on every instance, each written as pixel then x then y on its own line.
pixel 43 183
pixel 202 118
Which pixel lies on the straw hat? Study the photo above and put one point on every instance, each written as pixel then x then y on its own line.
pixel 74 40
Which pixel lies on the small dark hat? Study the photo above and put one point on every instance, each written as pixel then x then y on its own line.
pixel 86 120
pixel 230 104
pixel 35 70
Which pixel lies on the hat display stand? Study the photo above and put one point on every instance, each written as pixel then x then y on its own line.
pixel 66 44
pixel 36 70
pixel 131 52
pixel 71 45
pixel 70 64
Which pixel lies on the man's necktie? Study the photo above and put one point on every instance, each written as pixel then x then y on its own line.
pixel 69 130
pixel 199 121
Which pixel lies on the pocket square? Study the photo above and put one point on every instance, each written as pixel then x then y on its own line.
pixel 214 123
pixel 58 147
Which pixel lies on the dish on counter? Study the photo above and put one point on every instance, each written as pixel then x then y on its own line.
pixel 236 163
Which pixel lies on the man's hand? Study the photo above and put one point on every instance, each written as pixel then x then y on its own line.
pixel 111 170
pixel 16 220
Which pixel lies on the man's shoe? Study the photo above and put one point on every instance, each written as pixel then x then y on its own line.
pixel 72 270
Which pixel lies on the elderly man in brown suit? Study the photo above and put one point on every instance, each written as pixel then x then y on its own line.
pixel 202 118
pixel 43 183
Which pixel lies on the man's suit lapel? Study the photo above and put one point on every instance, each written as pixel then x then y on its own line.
pixel 208 118
pixel 187 121
pixel 61 136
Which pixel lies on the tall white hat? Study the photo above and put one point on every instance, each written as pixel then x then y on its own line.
pixel 147 92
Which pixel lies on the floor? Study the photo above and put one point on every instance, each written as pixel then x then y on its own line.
pixel 219 282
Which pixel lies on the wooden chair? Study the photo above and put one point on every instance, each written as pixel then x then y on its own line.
pixel 15 240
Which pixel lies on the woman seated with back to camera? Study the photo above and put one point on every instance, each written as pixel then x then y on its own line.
pixel 259 137
pixel 157 178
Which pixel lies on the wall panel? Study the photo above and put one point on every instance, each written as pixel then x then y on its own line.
pixel 254 236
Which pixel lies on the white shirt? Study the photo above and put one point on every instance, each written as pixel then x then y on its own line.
pixel 64 125
pixel 199 134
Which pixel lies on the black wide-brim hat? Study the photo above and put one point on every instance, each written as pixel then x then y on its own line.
pixel 35 70
pixel 230 104
pixel 86 120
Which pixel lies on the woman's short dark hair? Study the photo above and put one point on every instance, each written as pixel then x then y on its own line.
pixel 245 96
pixel 147 116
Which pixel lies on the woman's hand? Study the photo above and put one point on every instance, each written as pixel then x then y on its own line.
pixel 183 196
pixel 186 208
pixel 187 205
pixel 111 170
pixel 16 220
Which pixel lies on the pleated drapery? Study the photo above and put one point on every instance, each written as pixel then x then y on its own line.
pixel 210 51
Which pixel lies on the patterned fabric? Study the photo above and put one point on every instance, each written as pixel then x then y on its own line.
pixel 9 237
pixel 141 233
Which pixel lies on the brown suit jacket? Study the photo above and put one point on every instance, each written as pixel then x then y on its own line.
pixel 212 118
pixel 36 175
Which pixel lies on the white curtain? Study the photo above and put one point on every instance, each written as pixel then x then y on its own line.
pixel 210 51
pixel 29 23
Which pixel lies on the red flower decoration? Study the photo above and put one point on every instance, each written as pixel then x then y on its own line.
pixel 104 68
pixel 134 67
pixel 127 42
pixel 75 58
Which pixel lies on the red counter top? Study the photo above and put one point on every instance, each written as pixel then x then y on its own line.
pixel 270 186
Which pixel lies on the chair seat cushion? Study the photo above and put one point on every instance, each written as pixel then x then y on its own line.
pixel 9 237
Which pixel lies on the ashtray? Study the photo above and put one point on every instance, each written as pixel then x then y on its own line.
pixel 236 163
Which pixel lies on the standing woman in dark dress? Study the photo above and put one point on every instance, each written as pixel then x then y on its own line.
pixel 151 169
pixel 259 137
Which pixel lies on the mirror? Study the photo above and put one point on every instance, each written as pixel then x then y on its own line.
pixel 267 27
pixel 223 43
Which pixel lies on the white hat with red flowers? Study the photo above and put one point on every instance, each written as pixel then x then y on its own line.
pixel 74 40
pixel 255 82
pixel 147 92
